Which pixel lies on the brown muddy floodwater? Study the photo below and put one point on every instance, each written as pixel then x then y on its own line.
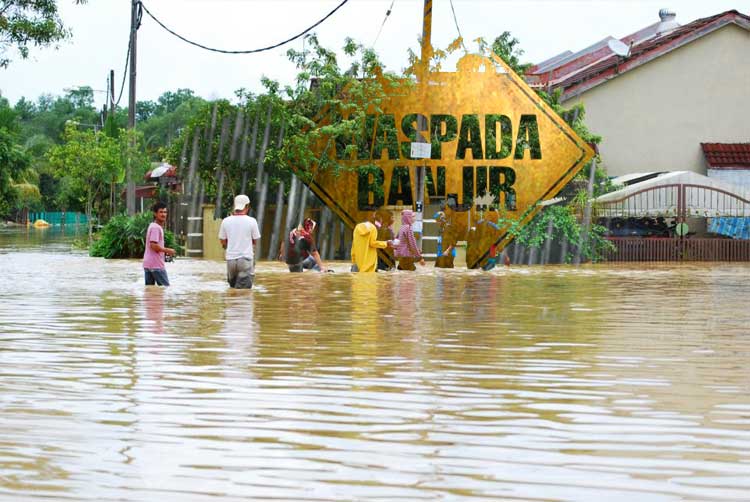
pixel 602 383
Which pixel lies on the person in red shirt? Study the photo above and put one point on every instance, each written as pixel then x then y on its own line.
pixel 299 250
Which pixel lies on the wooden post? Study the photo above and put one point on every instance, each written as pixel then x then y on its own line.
pixel 276 233
pixel 210 133
pixel 548 242
pixel 220 168
pixel 243 156
pixel 263 146
pixel 342 241
pixel 564 250
pixel 586 222
pixel 238 123
pixel 262 210
pixel 274 243
pixel 291 201
pixel 302 202
pixel 324 237
pixel 532 255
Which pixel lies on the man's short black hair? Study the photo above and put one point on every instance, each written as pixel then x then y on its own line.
pixel 157 206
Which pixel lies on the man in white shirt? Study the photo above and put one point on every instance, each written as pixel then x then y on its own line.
pixel 238 234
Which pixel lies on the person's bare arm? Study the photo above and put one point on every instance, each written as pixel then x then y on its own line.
pixel 316 257
pixel 159 249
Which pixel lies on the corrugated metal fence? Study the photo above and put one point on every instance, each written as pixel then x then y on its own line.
pixel 59 217
pixel 675 249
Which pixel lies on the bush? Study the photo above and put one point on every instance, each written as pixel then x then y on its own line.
pixel 124 237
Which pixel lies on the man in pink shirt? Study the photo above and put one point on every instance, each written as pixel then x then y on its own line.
pixel 153 258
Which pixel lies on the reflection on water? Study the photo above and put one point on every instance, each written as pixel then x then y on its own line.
pixel 549 383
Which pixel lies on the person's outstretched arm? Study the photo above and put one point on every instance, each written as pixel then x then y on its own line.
pixel 318 260
pixel 374 242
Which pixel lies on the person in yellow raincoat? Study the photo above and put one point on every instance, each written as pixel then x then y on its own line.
pixel 365 245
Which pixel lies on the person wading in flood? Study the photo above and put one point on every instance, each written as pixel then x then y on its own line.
pixel 153 257
pixel 365 245
pixel 407 250
pixel 299 250
pixel 238 234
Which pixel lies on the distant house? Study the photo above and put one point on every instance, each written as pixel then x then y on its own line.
pixel 162 177
pixel 660 93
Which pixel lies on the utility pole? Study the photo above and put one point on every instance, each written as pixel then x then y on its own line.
pixel 134 21
pixel 112 94
pixel 423 76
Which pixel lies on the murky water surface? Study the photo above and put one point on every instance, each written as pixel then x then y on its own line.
pixel 557 384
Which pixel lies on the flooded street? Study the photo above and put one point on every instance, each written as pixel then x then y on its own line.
pixel 602 383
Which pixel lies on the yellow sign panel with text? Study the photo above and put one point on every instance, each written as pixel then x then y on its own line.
pixel 490 135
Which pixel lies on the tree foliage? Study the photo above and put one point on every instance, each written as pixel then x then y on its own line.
pixel 13 159
pixel 89 162
pixel 124 237
pixel 296 135
pixel 29 23
pixel 160 122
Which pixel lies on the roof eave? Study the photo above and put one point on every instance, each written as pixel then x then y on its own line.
pixel 576 90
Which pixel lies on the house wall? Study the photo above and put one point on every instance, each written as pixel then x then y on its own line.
pixel 737 177
pixel 653 118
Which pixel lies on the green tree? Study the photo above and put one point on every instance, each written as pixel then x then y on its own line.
pixel 166 118
pixel 13 161
pixel 507 48
pixel 322 84
pixel 13 158
pixel 89 162
pixel 27 23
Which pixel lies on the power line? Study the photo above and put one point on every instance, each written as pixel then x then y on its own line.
pixel 252 51
pixel 124 74
pixel 387 13
pixel 455 20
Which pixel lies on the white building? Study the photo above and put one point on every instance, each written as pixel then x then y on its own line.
pixel 658 94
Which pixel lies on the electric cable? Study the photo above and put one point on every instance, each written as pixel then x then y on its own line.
pixel 138 19
pixel 124 74
pixel 387 13
pixel 252 51
pixel 455 20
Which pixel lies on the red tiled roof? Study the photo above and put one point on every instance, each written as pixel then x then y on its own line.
pixel 581 79
pixel 727 155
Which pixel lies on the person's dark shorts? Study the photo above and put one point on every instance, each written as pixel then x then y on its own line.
pixel 156 276
pixel 241 273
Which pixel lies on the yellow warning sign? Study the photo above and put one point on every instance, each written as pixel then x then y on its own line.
pixel 489 135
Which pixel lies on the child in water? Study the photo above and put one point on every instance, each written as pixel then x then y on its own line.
pixel 406 250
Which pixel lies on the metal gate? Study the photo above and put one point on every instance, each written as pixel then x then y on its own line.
pixel 679 201
pixel 677 249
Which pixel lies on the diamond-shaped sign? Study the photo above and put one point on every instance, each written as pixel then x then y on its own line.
pixel 490 135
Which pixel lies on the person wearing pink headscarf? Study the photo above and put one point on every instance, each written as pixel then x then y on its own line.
pixel 407 252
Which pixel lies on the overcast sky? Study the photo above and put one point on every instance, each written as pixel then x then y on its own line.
pixel 100 37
